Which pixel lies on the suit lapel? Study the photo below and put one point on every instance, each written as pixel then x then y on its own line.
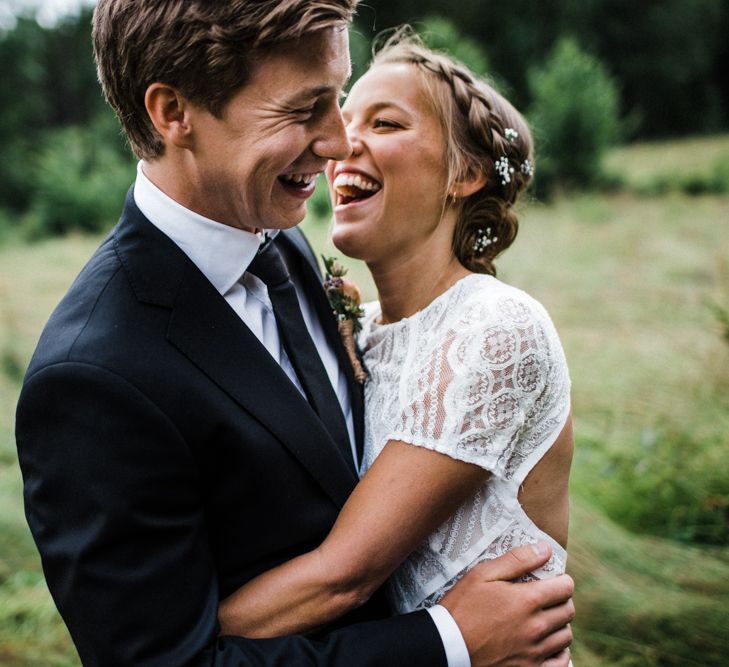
pixel 207 331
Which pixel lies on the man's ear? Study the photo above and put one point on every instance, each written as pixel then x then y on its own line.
pixel 169 113
pixel 465 187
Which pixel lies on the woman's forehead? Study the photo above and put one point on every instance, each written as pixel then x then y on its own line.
pixel 395 83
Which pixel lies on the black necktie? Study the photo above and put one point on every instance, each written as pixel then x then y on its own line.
pixel 270 268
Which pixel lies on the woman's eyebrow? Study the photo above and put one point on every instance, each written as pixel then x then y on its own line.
pixel 375 107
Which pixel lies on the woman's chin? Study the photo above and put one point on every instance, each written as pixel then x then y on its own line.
pixel 347 241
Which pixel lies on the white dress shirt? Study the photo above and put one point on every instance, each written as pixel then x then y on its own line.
pixel 223 253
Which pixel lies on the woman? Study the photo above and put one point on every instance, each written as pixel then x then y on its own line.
pixel 469 440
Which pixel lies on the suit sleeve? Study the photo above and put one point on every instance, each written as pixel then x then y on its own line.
pixel 116 508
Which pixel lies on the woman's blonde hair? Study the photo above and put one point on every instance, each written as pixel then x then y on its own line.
pixel 484 134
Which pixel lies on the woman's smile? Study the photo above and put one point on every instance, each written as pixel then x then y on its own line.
pixel 353 186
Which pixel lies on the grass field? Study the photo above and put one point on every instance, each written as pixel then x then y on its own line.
pixel 627 281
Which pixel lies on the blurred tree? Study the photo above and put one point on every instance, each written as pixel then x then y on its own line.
pixel 70 85
pixel 443 35
pixel 574 117
pixel 79 179
pixel 669 56
pixel 23 109
pixel 663 53
pixel 62 147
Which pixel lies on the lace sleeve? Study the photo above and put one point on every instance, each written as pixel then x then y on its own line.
pixel 490 388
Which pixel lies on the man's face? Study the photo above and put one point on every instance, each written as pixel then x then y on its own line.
pixel 256 166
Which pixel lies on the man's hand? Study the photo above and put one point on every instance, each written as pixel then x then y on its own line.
pixel 507 624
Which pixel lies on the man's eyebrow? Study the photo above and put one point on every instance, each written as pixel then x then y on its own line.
pixel 309 94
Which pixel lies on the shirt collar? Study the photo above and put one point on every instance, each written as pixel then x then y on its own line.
pixel 220 251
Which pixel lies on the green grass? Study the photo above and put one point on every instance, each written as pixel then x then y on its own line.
pixel 627 281
pixel 32 280
pixel 685 156
pixel 692 165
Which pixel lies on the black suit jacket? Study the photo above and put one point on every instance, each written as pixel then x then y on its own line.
pixel 167 459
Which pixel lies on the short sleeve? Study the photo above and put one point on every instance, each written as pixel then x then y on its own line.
pixel 490 388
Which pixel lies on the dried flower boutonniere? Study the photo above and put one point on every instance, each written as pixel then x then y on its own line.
pixel 345 300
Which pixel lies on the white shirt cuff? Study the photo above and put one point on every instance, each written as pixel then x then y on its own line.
pixel 450 634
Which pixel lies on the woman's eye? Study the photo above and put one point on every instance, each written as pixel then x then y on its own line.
pixel 383 122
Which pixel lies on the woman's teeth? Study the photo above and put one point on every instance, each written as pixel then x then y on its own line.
pixel 354 186
pixel 356 180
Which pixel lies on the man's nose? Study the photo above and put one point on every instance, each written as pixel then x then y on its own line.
pixel 333 142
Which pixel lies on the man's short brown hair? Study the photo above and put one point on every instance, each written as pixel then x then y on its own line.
pixel 204 48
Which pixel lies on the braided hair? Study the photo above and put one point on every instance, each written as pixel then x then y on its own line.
pixel 485 135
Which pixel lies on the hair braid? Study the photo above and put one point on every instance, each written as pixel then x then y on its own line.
pixel 475 118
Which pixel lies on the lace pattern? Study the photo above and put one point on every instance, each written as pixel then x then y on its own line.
pixel 478 375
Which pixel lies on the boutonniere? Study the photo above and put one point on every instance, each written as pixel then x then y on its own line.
pixel 345 299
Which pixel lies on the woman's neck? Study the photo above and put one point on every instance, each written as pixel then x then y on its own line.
pixel 408 285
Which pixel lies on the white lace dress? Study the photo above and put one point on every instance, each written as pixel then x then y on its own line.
pixel 478 375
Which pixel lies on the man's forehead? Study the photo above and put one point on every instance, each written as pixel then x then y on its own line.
pixel 316 65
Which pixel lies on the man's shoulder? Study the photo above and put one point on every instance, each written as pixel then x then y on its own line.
pixel 75 310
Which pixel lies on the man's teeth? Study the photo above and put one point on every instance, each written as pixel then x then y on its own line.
pixel 306 179
pixel 343 182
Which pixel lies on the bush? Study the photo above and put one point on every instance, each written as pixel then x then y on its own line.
pixel 575 117
pixel 81 178
pixel 442 34
pixel 715 181
pixel 673 483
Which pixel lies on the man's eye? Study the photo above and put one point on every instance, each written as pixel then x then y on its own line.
pixel 306 110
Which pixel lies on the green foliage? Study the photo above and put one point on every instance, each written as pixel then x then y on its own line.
pixel 712 181
pixel 644 602
pixel 360 52
pixel 719 306
pixel 574 117
pixel 23 109
pixel 722 317
pixel 320 204
pixel 672 482
pixel 443 34
pixel 80 180
pixel 64 166
pixel 49 80
pixel 693 165
pixel 668 56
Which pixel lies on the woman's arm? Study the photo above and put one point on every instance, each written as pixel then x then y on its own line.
pixel 407 493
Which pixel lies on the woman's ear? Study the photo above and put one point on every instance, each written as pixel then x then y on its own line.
pixel 465 187
pixel 168 111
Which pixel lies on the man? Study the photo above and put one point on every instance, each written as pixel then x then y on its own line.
pixel 174 442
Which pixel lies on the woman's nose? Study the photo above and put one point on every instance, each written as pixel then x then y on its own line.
pixel 355 140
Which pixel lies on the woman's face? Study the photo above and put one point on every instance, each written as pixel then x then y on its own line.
pixel 389 195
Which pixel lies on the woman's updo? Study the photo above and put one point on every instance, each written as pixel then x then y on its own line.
pixel 484 134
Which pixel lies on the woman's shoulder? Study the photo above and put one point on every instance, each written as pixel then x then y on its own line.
pixel 486 300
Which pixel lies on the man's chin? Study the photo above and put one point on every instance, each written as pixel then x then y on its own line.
pixel 288 219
